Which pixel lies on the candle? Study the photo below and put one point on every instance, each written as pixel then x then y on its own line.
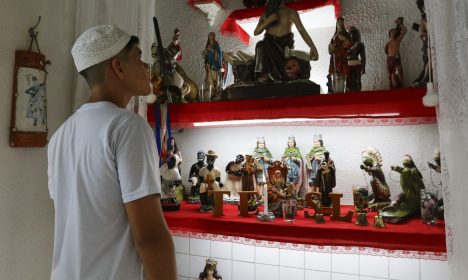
pixel 202 94
pixel 265 195
pixel 209 94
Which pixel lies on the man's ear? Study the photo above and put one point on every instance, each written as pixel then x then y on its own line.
pixel 116 66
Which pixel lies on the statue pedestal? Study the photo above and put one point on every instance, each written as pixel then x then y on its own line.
pixel 270 90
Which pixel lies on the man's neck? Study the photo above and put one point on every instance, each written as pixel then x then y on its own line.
pixel 102 93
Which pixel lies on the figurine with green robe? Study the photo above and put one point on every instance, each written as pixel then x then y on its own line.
pixel 264 158
pixel 408 203
pixel 292 158
pixel 314 159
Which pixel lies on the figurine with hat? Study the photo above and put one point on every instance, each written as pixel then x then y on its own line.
pixel 210 179
pixel 194 177
pixel 408 203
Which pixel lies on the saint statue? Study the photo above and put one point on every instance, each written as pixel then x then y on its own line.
pixel 264 158
pixel 234 178
pixel 292 158
pixel 356 60
pixel 372 163
pixel 213 57
pixel 210 272
pixel 194 177
pixel 408 202
pixel 338 50
pixel 210 179
pixel 270 53
pixel 314 159
pixel 392 50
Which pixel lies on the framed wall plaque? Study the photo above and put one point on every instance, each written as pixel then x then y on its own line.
pixel 28 127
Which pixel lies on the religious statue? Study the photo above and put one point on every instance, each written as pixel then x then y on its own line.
pixel 338 50
pixel 210 179
pixel 170 178
pixel 171 154
pixel 253 3
pixel 174 47
pixel 292 158
pixel 408 202
pixel 210 272
pixel 372 163
pixel 270 58
pixel 249 170
pixel 194 177
pixel 356 60
pixel 421 28
pixel 180 87
pixel 313 160
pixel 392 50
pixel 213 57
pixel 437 167
pixel 278 189
pixel 264 158
pixel 326 178
pixel 234 178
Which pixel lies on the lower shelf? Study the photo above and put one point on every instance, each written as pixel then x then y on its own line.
pixel 411 236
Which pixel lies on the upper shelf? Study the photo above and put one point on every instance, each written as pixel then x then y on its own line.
pixel 387 107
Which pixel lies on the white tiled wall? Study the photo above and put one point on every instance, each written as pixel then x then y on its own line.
pixel 252 262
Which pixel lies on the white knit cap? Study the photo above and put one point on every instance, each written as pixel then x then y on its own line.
pixel 98 44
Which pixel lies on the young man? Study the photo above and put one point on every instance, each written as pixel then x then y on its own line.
pixel 103 171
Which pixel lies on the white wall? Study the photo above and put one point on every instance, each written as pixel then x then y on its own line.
pixel 372 17
pixel 26 211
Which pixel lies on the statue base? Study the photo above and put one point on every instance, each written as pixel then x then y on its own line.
pixel 169 204
pixel 265 217
pixel 273 89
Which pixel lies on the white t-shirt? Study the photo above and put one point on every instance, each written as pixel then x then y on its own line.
pixel 100 158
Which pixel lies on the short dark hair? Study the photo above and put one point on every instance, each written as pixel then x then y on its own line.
pixel 94 75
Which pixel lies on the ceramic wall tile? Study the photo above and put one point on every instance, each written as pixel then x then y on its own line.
pixel 345 263
pixel 241 252
pixel 375 266
pixel 403 268
pixel 197 264
pixel 183 264
pixel 221 249
pixel 318 261
pixel 317 275
pixel 434 270
pixel 292 258
pixel 268 272
pixel 265 255
pixel 200 247
pixel 243 270
pixel 289 273
pixel 181 244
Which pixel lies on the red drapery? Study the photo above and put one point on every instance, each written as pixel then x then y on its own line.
pixel 413 235
pixel 402 103
pixel 230 26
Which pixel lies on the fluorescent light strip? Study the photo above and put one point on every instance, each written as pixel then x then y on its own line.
pixel 285 120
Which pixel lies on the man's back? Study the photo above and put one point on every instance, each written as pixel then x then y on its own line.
pixel 100 158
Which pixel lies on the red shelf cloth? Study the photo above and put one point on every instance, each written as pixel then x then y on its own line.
pixel 411 236
pixel 230 26
pixel 402 103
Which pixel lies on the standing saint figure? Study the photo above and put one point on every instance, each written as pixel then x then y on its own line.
pixel 234 178
pixel 264 158
pixel 356 60
pixel 193 177
pixel 392 50
pixel 270 56
pixel 174 48
pixel 292 158
pixel 338 50
pixel 314 159
pixel 213 56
